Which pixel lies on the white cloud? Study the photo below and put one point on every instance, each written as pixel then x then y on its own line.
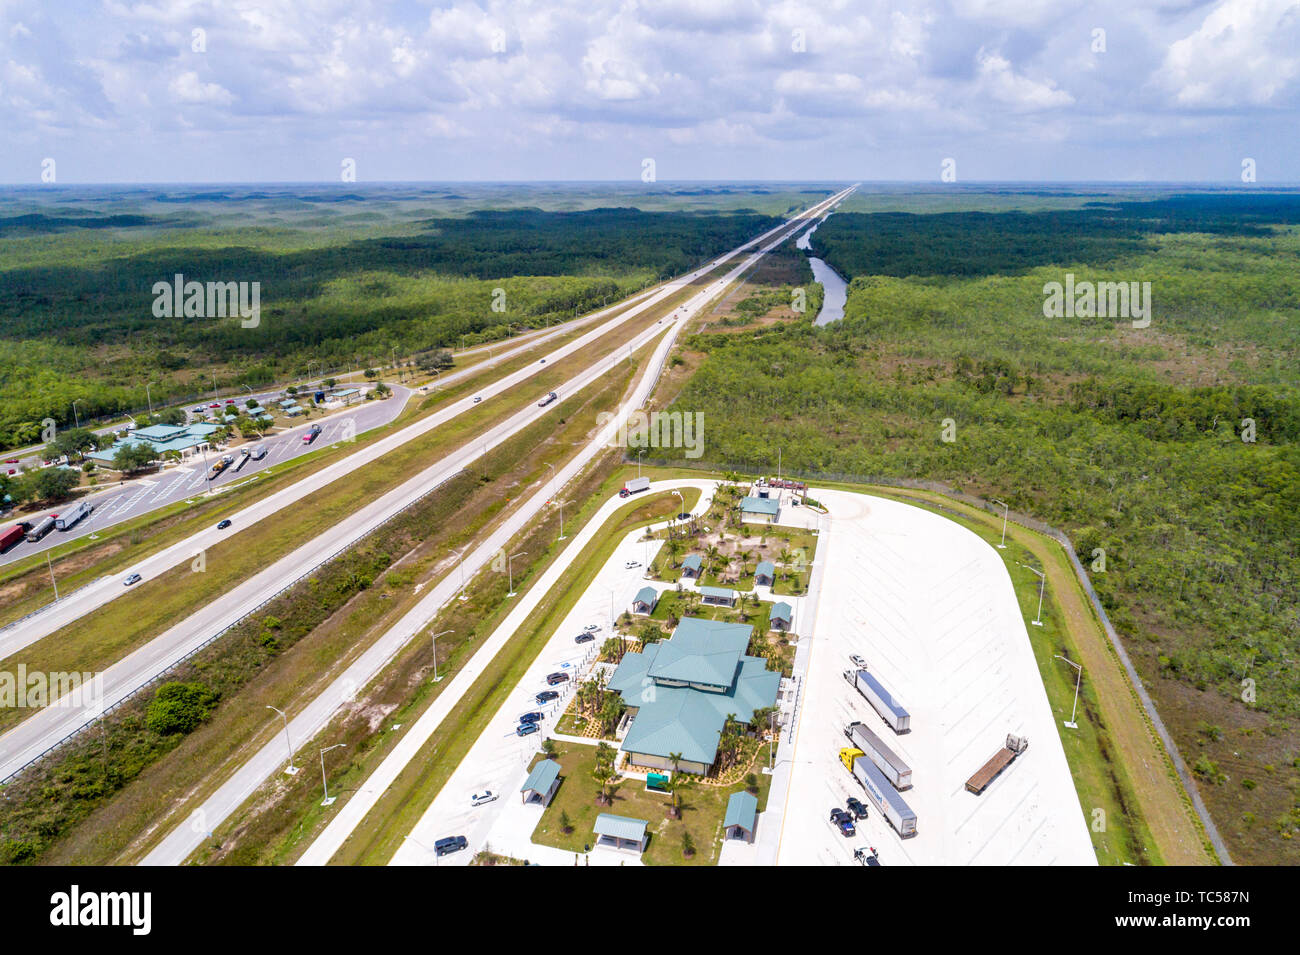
pixel 1244 52
pixel 188 88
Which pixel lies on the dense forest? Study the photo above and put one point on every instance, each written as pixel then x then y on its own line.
pixel 1173 448
pixel 78 327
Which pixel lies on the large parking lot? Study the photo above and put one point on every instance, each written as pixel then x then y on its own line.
pixel 931 608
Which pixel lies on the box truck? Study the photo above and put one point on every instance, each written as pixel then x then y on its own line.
pixel 12 536
pixel 883 796
pixel 890 710
pixel 1000 760
pixel 67 519
pixel 887 761
pixel 547 400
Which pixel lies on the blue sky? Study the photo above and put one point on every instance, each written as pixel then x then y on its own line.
pixel 286 90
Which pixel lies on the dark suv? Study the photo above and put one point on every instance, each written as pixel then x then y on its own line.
pixel 449 845
pixel 555 679
pixel 856 807
pixel 546 696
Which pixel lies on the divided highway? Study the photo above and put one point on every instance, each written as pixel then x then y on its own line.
pixel 184 838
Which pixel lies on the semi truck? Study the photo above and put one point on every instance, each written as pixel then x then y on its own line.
pixel 259 452
pixel 310 436
pixel 547 400
pixel 243 459
pixel 41 528
pixel 887 761
pixel 890 710
pixel 226 461
pixel 883 796
pixel 67 519
pixel 635 486
pixel 1000 760
pixel 12 536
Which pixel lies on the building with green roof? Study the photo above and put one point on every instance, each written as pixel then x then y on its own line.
pixel 741 817
pixel 541 782
pixel 645 600
pixel 680 691
pixel 782 616
pixel 621 832
pixel 692 566
pixel 760 510
pixel 160 438
pixel 718 596
pixel 765 573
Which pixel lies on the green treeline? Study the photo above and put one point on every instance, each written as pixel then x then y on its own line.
pixel 83 328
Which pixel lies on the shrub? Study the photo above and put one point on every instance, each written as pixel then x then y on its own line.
pixel 179 707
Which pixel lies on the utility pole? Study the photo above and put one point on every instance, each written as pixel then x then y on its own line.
pixel 329 800
pixel 1077 680
pixel 435 637
pixel 52 580
pixel 1003 545
pixel 511 573
pixel 291 769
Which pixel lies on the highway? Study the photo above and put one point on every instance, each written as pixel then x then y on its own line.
pixel 184 838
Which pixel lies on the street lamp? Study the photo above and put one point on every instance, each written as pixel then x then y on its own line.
pixel 638 461
pixel 148 396
pixel 1042 585
pixel 1077 680
pixel 682 515
pixel 562 503
pixel 291 770
pixel 553 473
pixel 435 637
pixel 461 557
pixel 76 417
pixel 329 800
pixel 1003 545
pixel 510 571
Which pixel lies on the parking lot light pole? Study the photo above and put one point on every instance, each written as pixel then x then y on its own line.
pixel 1003 545
pixel 329 800
pixel 1042 585
pixel 562 503
pixel 681 515
pixel 461 558
pixel 435 637
pixel 1077 680
pixel 510 572
pixel 291 769
pixel 76 417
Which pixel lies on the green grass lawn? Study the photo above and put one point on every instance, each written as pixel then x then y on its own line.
pixel 703 808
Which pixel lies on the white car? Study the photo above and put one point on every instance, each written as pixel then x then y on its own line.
pixel 591 627
pixel 858 662
pixel 477 399
pixel 483 798
pixel 632 564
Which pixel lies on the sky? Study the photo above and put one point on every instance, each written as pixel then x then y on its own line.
pixel 312 90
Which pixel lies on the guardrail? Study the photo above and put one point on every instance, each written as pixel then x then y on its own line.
pixel 131 693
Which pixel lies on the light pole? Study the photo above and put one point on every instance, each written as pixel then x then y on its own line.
pixel 553 473
pixel 435 637
pixel 1003 545
pixel 461 558
pixel 148 396
pixel 76 417
pixel 638 461
pixel 681 515
pixel 1042 585
pixel 329 800
pixel 562 503
pixel 291 769
pixel 510 571
pixel 1077 680
pixel 52 580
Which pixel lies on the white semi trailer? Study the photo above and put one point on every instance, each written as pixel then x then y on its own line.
pixel 883 796
pixel 887 761
pixel 67 519
pixel 890 710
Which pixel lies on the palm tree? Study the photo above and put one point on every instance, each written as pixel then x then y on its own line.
pixel 674 786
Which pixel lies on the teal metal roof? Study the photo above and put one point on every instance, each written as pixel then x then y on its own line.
pixel 542 778
pixel 742 810
pixel 647 595
pixel 766 568
pixel 718 593
pixel 769 506
pixel 782 611
pixel 620 827
pixel 692 562
pixel 683 719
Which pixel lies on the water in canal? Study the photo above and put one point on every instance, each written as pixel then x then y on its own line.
pixel 836 290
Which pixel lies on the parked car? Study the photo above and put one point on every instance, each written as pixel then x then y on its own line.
pixel 483 798
pixel 868 856
pixel 531 718
pixel 843 821
pixel 856 807
pixel 858 662
pixel 584 637
pixel 133 579
pixel 450 844
pixel 555 679
pixel 631 564
pixel 546 696
pixel 224 524
pixel 527 729
pixel 215 404
pixel 591 627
